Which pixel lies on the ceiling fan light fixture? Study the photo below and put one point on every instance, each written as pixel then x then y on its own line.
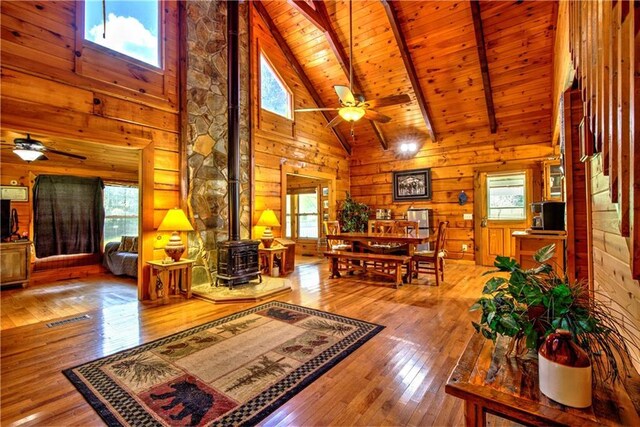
pixel 28 155
pixel 351 114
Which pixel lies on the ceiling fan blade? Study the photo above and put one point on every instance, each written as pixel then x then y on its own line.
pixel 304 110
pixel 43 157
pixel 334 122
pixel 345 95
pixel 62 153
pixel 389 100
pixel 373 115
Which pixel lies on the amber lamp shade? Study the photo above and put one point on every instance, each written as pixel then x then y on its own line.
pixel 175 220
pixel 267 219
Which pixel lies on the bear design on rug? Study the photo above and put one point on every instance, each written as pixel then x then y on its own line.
pixel 195 402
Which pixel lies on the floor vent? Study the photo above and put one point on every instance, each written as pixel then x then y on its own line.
pixel 70 320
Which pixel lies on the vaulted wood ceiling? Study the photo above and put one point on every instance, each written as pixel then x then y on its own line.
pixel 442 44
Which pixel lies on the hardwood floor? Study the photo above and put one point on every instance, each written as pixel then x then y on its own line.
pixel 397 378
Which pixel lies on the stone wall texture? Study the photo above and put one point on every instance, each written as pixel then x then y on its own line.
pixel 207 131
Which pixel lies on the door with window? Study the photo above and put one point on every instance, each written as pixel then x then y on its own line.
pixel 502 200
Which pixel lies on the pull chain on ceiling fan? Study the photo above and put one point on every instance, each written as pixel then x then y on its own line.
pixel 354 107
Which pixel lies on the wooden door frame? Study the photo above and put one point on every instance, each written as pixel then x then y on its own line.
pixel 291 170
pixel 536 191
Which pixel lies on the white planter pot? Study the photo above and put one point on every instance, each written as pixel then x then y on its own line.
pixel 565 384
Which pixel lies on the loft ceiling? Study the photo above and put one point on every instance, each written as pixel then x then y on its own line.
pixel 441 39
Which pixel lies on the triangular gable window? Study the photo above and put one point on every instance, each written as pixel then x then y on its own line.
pixel 274 94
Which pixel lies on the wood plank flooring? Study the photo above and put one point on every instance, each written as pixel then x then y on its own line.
pixel 397 378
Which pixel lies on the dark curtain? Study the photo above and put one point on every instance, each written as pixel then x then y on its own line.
pixel 68 215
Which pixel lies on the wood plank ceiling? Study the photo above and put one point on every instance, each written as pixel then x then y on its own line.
pixel 441 41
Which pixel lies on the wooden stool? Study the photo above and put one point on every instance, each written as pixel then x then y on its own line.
pixel 173 278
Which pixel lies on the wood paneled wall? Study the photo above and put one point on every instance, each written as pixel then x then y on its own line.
pixel 304 146
pixel 55 84
pixel 452 170
pixel 603 39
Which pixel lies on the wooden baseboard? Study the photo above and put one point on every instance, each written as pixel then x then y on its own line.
pixel 48 276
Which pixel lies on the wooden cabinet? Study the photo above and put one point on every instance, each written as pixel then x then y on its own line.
pixel 553 181
pixel 15 263
pixel 290 263
pixel 528 243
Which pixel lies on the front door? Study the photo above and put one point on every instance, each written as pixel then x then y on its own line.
pixel 502 208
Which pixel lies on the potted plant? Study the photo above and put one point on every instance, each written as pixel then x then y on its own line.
pixel 353 216
pixel 530 304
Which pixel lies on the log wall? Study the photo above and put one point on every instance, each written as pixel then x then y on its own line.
pixel 55 84
pixel 304 146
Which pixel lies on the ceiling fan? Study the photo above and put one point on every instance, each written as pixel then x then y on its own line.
pixel 29 149
pixel 353 107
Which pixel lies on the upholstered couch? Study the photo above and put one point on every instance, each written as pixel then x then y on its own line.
pixel 121 259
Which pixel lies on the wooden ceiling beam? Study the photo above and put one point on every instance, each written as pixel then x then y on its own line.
pixel 484 65
pixel 310 13
pixel 343 59
pixel 392 15
pixel 288 53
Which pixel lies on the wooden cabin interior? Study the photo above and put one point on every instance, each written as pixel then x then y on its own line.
pixel 535 98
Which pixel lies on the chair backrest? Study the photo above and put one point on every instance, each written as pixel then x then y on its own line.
pixel 440 239
pixel 410 228
pixel 331 227
pixel 383 226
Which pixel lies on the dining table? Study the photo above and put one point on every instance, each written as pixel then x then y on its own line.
pixel 362 239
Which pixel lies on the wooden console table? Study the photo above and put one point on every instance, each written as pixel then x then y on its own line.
pixel 491 382
pixel 172 278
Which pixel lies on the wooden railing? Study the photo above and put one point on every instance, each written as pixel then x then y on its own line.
pixel 604 42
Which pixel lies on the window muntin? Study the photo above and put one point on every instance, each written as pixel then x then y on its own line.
pixel 506 197
pixel 132 27
pixel 274 95
pixel 120 212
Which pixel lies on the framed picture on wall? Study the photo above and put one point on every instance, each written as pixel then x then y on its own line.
pixel 412 185
pixel 586 140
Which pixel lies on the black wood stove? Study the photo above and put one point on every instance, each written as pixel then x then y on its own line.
pixel 238 260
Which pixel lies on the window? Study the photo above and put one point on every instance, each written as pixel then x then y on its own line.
pixel 121 212
pixel 308 216
pixel 302 217
pixel 131 27
pixel 506 196
pixel 274 95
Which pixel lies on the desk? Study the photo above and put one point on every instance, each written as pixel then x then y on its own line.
pixel 172 278
pixel 488 381
pixel 269 255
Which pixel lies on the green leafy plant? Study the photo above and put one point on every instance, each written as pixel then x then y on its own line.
pixel 353 216
pixel 530 304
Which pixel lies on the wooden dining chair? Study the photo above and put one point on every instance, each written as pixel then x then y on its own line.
pixel 432 262
pixel 333 227
pixel 410 228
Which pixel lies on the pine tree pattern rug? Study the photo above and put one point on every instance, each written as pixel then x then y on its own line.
pixel 232 371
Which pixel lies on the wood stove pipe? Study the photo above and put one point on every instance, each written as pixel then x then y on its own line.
pixel 233 117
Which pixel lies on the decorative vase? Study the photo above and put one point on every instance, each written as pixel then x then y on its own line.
pixel 564 370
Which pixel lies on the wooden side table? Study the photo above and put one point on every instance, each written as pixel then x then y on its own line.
pixel 269 254
pixel 173 278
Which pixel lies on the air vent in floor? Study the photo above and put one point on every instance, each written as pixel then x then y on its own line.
pixel 70 320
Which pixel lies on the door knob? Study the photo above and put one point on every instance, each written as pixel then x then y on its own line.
pixel 483 223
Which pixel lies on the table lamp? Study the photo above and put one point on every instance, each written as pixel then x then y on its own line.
pixel 175 220
pixel 267 219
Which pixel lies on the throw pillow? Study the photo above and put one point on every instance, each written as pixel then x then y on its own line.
pixel 134 247
pixel 126 243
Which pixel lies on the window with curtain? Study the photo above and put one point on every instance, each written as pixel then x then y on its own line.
pixel 68 214
pixel 121 212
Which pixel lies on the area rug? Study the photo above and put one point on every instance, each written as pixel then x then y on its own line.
pixel 252 291
pixel 231 371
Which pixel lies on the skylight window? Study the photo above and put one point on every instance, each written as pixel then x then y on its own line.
pixel 274 95
pixel 131 27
